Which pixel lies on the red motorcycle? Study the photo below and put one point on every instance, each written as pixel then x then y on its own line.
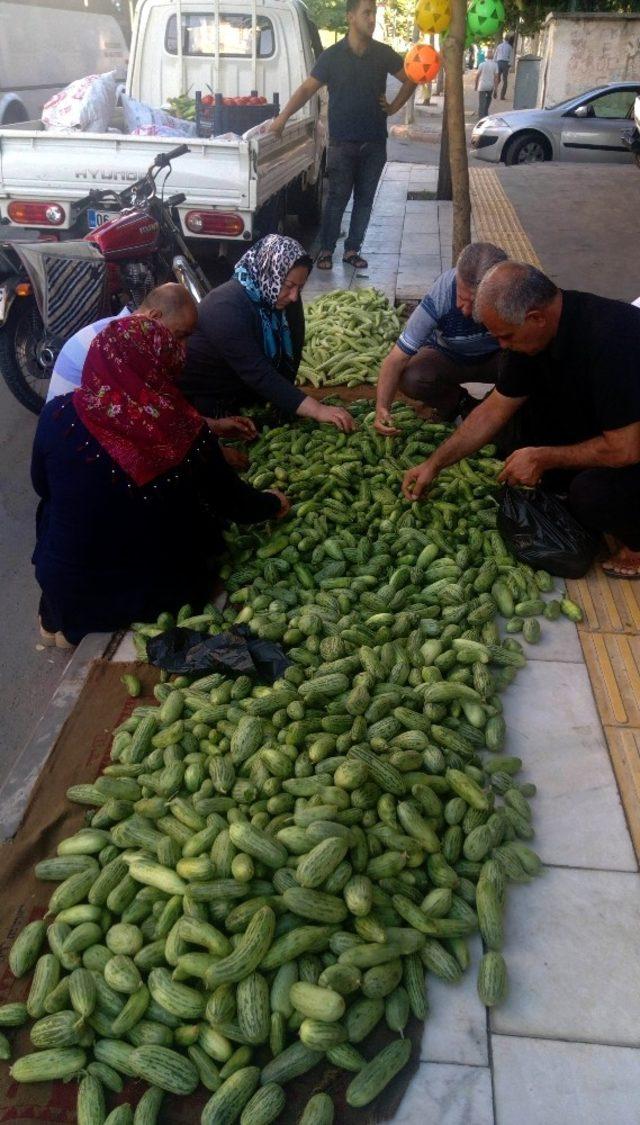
pixel 49 289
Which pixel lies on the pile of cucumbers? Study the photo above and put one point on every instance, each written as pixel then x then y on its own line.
pixel 267 873
pixel 348 334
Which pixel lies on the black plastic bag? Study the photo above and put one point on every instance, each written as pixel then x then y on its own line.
pixel 541 531
pixel 236 652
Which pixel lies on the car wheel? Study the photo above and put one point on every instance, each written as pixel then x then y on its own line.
pixel 636 157
pixel 527 149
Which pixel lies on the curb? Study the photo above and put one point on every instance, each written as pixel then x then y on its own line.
pixel 18 785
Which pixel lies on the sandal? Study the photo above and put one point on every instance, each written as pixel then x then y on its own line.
pixel 324 261
pixel 626 573
pixel 352 258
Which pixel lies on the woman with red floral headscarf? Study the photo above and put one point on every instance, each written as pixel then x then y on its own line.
pixel 133 487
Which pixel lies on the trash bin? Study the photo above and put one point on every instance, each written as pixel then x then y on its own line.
pixel 525 95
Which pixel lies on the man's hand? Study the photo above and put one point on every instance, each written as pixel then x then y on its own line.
pixel 524 466
pixel 418 480
pixel 234 428
pixel 386 107
pixel 384 423
pixel 277 126
pixel 335 416
pixel 285 503
pixel 235 458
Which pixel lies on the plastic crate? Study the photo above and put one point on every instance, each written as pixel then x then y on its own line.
pixel 213 120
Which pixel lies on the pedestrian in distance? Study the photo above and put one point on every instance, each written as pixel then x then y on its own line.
pixel 442 346
pixel 487 78
pixel 504 59
pixel 354 71
pixel 571 378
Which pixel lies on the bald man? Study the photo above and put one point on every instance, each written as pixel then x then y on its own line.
pixel 573 369
pixel 175 307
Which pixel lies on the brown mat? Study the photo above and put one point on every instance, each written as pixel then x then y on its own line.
pixel 80 752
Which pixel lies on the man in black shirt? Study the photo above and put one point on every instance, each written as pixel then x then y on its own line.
pixel 574 360
pixel 355 72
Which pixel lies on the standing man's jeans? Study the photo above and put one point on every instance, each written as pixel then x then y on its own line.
pixel 484 102
pixel 351 167
pixel 503 72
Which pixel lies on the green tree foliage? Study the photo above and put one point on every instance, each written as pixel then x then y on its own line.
pixel 329 15
pixel 528 15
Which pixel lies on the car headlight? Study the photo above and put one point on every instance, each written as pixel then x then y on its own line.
pixel 492 122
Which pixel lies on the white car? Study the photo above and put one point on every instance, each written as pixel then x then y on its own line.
pixel 587 127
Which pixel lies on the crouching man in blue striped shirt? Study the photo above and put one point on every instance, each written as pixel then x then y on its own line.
pixel 442 347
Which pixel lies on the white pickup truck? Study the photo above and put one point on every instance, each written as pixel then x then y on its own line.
pixel 235 189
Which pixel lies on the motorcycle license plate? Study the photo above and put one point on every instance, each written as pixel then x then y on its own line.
pixel 98 218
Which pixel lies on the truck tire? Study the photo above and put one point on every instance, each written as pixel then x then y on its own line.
pixel 25 366
pixel 270 219
pixel 310 202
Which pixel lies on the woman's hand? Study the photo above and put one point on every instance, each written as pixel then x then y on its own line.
pixel 335 416
pixel 285 503
pixel 384 423
pixel 235 458
pixel 234 428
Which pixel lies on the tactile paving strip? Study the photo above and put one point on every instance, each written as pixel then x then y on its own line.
pixel 608 606
pixel 624 748
pixel 495 217
pixel 610 631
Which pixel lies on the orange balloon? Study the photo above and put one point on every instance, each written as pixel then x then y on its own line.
pixel 421 63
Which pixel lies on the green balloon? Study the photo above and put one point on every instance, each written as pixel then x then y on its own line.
pixel 485 18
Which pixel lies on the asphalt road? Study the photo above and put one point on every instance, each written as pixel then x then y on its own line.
pixel 28 677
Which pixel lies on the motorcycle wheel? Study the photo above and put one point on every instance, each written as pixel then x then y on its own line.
pixel 26 365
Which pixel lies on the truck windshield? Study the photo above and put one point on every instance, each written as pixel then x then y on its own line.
pixel 199 35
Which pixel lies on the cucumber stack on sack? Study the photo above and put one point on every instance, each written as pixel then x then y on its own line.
pixel 267 873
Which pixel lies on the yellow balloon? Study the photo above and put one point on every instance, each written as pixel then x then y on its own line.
pixel 433 16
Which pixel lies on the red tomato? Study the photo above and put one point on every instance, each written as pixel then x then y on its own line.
pixel 208 99
pixel 255 101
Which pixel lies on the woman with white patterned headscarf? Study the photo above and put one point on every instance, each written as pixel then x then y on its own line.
pixel 250 335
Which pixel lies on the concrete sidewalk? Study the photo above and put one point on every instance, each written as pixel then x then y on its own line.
pixel 407 244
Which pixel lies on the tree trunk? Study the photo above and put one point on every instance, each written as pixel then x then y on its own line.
pixel 444 189
pixel 453 50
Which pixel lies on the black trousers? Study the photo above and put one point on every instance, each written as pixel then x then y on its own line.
pixel 609 500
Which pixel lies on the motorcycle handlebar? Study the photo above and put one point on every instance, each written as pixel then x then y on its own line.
pixel 164 158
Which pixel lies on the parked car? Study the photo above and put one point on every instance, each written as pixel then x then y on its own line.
pixel 587 127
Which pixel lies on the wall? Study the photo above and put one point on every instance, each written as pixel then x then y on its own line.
pixel 583 50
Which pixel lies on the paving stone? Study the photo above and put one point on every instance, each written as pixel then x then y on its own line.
pixel 447 1095
pixel 553 726
pixel 571 942
pixel 539 1081
pixel 456 1030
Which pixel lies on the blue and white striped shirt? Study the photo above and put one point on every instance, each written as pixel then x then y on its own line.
pixel 438 323
pixel 67 372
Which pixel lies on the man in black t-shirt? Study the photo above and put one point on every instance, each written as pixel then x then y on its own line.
pixel 355 72
pixel 574 360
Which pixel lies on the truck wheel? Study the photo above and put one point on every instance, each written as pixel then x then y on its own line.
pixel 26 362
pixel 271 217
pixel 310 202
